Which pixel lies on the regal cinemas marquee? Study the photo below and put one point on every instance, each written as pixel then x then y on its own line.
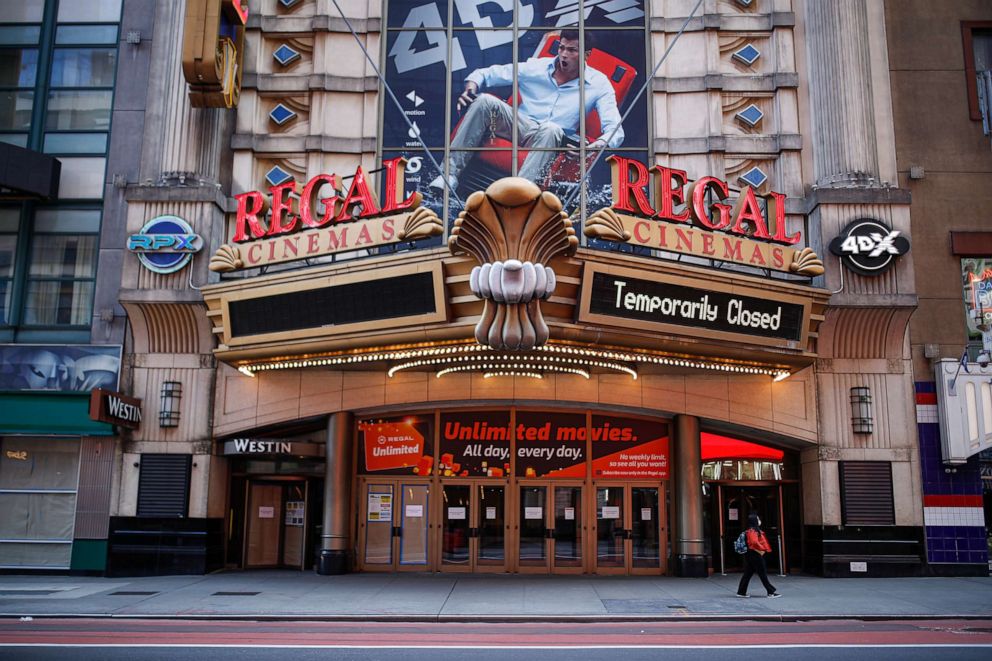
pixel 528 396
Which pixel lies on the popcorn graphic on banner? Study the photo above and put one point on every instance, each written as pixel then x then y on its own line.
pixel 618 11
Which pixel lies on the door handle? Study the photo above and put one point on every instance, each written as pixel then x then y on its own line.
pixel 397 531
pixel 549 533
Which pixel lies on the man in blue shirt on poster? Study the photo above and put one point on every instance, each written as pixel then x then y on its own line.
pixel 549 110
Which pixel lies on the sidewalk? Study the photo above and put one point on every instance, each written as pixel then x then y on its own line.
pixel 434 597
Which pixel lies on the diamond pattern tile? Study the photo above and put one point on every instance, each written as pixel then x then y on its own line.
pixel 748 54
pixel 281 114
pixel 286 54
pixel 277 176
pixel 288 3
pixel 750 115
pixel 754 177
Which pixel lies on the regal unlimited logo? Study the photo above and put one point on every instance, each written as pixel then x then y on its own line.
pixel 165 244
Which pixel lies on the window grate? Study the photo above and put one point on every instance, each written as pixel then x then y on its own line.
pixel 866 493
pixel 163 485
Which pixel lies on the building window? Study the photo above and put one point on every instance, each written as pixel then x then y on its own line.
pixel 866 493
pixel 38 483
pixel 976 286
pixel 58 64
pixel 47 268
pixel 492 88
pixel 977 41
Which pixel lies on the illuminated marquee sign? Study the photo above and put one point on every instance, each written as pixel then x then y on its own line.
pixel 289 225
pixel 740 233
pixel 165 244
pixel 666 303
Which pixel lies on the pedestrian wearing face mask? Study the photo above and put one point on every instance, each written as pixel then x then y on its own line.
pixel 754 559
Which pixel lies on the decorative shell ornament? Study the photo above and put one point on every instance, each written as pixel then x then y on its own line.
pixel 513 230
pixel 420 224
pixel 805 262
pixel 227 258
pixel 606 224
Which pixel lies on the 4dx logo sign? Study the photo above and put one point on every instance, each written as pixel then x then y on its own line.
pixel 869 247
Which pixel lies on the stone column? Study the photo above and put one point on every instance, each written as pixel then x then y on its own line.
pixel 335 542
pixel 690 559
pixel 841 93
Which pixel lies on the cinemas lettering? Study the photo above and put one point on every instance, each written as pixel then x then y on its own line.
pixel 741 232
pixel 292 224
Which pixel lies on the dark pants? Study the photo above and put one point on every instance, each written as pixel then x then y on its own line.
pixel 754 563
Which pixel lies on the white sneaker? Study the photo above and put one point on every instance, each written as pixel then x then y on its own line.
pixel 774 595
pixel 744 596
pixel 438 183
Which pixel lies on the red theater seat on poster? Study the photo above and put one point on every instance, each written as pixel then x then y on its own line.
pixel 620 74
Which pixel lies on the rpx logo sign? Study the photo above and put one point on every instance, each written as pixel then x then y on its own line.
pixel 869 247
pixel 165 244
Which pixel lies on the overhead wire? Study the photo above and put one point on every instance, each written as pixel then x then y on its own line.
pixel 575 191
pixel 414 132
pixel 447 183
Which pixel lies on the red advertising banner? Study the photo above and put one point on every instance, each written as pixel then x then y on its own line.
pixel 475 444
pixel 629 449
pixel 397 446
pixel 551 444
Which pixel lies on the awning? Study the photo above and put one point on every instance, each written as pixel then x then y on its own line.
pixel 49 414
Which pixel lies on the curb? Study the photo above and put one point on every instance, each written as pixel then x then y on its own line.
pixel 506 619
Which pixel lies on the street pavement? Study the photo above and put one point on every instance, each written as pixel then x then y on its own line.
pixel 260 595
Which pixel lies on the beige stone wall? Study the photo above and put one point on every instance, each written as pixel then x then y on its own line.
pixel 785 410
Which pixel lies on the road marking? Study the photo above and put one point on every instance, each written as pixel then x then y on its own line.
pixel 497 647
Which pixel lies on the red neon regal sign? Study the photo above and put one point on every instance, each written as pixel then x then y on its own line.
pixel 288 224
pixel 738 232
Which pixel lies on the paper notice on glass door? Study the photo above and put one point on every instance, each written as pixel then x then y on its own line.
pixel 266 512
pixel 490 513
pixel 570 514
pixel 533 512
pixel 456 513
pixel 610 512
pixel 414 511
pixel 380 507
pixel 645 514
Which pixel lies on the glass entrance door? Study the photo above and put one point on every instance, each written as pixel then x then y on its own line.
pixel 568 528
pixel 473 526
pixel 736 503
pixel 551 525
pixel 395 526
pixel 631 529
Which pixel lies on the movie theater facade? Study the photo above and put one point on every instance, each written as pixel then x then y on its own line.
pixel 603 369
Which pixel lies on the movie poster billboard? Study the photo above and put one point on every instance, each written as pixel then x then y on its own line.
pixel 60 367
pixel 453 74
pixel 397 446
pixel 629 448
